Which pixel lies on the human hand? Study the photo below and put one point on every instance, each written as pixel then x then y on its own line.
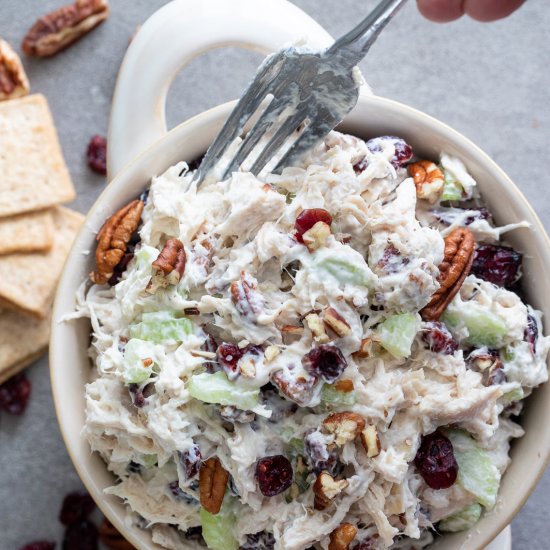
pixel 482 10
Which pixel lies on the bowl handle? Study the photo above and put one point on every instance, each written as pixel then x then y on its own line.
pixel 170 39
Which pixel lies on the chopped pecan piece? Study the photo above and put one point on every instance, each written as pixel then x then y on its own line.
pixel 13 80
pixel 57 30
pixel 168 268
pixel 345 385
pixel 345 426
pixel 299 389
pixel 113 239
pixel 271 352
pixel 317 328
pixel 457 261
pixel 212 483
pixel 342 537
pixel 365 348
pixel 428 179
pixel 371 441
pixel 326 489
pixel 111 538
pixel 244 294
pixel 317 236
pixel 336 322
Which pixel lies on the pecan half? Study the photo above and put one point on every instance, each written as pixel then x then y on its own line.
pixel 244 294
pixel 13 80
pixel 212 483
pixel 299 389
pixel 169 266
pixel 345 426
pixel 428 179
pixel 342 537
pixel 111 538
pixel 113 239
pixel 57 30
pixel 326 489
pixel 457 261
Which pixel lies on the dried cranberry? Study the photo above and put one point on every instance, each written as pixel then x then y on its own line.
pixel 500 265
pixel 138 399
pixel 403 151
pixel 531 333
pixel 120 268
pixel 360 166
pixel 228 357
pixel 81 536
pixel 190 461
pixel 76 507
pixel 308 218
pixel 264 540
pixel 325 361
pixel 97 155
pixel 320 458
pixel 39 545
pixel 194 533
pixel 15 393
pixel 391 260
pixel 435 461
pixel 438 338
pixel 274 475
pixel 480 214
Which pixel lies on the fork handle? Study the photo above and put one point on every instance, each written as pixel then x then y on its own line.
pixel 354 45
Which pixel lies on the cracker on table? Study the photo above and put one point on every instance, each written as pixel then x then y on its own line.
pixel 23 340
pixel 28 280
pixel 29 232
pixel 33 174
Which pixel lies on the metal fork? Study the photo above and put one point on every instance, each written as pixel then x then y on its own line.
pixel 315 89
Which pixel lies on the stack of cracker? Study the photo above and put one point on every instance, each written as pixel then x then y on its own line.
pixel 36 233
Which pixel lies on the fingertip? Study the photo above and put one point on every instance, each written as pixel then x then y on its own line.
pixel 441 11
pixel 490 10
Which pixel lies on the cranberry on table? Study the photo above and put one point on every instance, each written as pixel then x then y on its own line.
pixel 308 218
pixel 15 393
pixel 39 545
pixel 438 338
pixel 81 536
pixel 500 265
pixel 97 155
pixel 274 474
pixel 76 507
pixel 325 361
pixel 435 461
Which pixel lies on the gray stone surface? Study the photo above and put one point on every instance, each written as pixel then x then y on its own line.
pixel 490 82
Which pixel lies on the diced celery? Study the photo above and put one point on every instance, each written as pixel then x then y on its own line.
pixel 517 394
pixel 345 267
pixel 452 190
pixel 296 447
pixel 329 394
pixel 476 472
pixel 484 328
pixel 135 352
pixel 397 333
pixel 216 388
pixel 148 460
pixel 462 520
pixel 162 326
pixel 146 255
pixel 217 530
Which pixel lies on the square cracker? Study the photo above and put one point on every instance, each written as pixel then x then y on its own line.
pixel 28 281
pixel 23 339
pixel 33 174
pixel 29 232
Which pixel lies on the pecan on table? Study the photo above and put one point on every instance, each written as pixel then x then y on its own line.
pixel 457 261
pixel 169 266
pixel 57 30
pixel 113 239
pixel 13 80
pixel 111 538
pixel 212 482
pixel 342 537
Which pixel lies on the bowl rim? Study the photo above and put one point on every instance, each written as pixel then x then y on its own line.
pixel 202 119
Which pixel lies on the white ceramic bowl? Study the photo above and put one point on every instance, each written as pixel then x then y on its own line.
pixel 172 37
